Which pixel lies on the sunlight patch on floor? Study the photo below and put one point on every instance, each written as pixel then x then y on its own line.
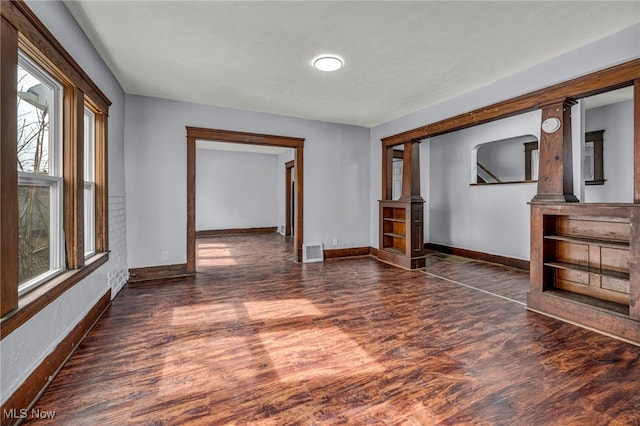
pixel 215 254
pixel 189 315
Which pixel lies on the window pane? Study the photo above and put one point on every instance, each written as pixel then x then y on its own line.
pixel 34 231
pixel 35 103
pixel 89 186
pixel 89 219
pixel 89 142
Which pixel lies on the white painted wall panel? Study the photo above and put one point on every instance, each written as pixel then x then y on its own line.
pixel 236 190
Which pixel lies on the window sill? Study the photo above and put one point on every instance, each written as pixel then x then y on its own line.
pixel 37 299
pixel 503 183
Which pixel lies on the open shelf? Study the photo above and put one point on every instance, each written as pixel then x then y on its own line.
pixel 391 234
pixel 401 233
pixel 590 241
pixel 393 219
pixel 581 268
pixel 582 265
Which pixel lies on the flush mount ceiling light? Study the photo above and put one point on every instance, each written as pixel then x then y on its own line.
pixel 327 63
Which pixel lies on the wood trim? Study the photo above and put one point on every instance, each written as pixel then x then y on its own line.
pixel 73 141
pixel 634 264
pixel 31 389
pixel 159 273
pixel 387 173
pixel 611 78
pixel 191 203
pixel 347 252
pixel 102 182
pixel 288 166
pixel 8 169
pixel 529 147
pixel 49 50
pixel 478 255
pixel 298 217
pixel 243 137
pixel 636 141
pixel 236 231
pixel 38 299
pixel 218 135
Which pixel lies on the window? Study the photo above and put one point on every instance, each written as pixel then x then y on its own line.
pixel 53 169
pixel 38 149
pixel 89 183
pixel 500 161
pixel 593 158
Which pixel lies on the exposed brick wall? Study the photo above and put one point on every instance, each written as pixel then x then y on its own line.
pixel 117 265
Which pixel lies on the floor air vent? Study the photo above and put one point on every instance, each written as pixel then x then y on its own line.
pixel 312 253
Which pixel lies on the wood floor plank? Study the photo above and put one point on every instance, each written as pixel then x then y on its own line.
pixel 256 339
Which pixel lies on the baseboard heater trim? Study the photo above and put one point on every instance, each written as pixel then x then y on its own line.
pixel 347 252
pixel 478 255
pixel 236 231
pixel 155 274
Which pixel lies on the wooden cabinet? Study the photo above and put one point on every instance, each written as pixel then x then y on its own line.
pixel 401 233
pixel 585 262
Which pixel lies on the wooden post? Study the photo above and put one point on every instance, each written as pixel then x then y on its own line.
pixel 555 177
pixel 387 172
pixel 411 172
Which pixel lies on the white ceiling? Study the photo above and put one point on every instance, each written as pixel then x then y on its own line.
pixel 399 56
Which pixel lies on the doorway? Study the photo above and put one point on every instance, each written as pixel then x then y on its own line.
pixel 196 133
pixel 290 195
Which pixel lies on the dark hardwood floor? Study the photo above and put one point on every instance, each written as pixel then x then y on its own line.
pixel 257 339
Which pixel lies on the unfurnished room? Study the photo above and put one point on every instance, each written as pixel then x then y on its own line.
pixel 320 212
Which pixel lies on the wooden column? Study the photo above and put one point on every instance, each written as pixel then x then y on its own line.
pixel 387 172
pixel 555 176
pixel 191 204
pixel 411 172
pixel 401 221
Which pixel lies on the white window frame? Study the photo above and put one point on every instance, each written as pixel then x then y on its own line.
pixel 54 180
pixel 89 183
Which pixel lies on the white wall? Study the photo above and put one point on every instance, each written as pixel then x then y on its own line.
pixel 617 122
pixel 488 218
pixel 336 175
pixel 618 48
pixel 25 348
pixel 236 190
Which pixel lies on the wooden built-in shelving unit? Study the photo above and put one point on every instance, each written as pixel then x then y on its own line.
pixel 585 265
pixel 401 221
pixel 401 233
